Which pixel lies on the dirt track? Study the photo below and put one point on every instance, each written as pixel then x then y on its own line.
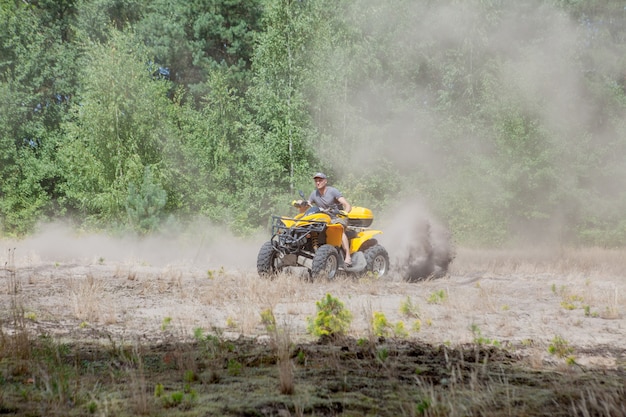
pixel 521 307
pixel 556 313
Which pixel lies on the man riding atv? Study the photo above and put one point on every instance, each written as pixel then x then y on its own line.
pixel 314 239
pixel 326 197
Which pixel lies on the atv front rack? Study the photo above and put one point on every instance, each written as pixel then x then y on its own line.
pixel 288 239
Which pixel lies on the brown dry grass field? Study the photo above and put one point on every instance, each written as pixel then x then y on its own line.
pixel 120 333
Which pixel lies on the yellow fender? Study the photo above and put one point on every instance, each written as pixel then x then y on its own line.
pixel 362 237
pixel 334 232
pixel 298 221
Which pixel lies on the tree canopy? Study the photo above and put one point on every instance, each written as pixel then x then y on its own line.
pixel 507 118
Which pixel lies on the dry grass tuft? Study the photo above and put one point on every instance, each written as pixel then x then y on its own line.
pixel 87 297
pixel 141 401
pixel 284 349
pixel 15 342
pixel 601 400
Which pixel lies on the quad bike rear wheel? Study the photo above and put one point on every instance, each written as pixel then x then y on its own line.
pixel 268 263
pixel 325 262
pixel 377 260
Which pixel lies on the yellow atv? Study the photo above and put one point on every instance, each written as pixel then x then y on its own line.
pixel 311 240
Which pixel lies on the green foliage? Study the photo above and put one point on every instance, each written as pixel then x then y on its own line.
pixel 144 205
pixel 92 407
pixel 37 78
pixel 381 327
pixel 561 348
pixel 120 128
pixel 281 153
pixel 479 339
pixel 437 297
pixel 417 325
pixel 332 318
pixel 268 320
pixel 213 345
pixel 504 144
pixel 234 367
pixel 409 309
pixel 198 37
pixel 399 329
pixel 382 354
pixel 166 323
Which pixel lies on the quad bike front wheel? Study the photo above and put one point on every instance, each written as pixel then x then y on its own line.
pixel 268 263
pixel 325 262
pixel 377 260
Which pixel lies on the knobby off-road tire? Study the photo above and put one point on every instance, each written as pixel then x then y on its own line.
pixel 325 262
pixel 377 260
pixel 267 261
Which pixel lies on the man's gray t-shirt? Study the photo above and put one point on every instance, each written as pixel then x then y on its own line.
pixel 330 199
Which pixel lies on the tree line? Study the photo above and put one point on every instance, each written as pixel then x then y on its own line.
pixel 507 118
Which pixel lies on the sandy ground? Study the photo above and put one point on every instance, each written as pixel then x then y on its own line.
pixel 93 287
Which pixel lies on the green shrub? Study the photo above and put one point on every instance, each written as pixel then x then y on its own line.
pixel 332 319
pixel 380 324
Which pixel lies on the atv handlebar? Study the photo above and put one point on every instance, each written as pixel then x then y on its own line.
pixel 335 212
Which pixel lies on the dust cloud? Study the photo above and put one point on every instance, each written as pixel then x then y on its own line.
pixel 523 56
pixel 202 245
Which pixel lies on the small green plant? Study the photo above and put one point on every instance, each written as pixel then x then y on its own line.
pixel 423 406
pixel 382 354
pixel 159 390
pixel 234 367
pixel 560 348
pixel 332 319
pixel 92 407
pixel 400 330
pixel 571 360
pixel 268 320
pixel 190 376
pixel 177 397
pixel 231 322
pixel 181 399
pixel 380 325
pixel 437 297
pixel 571 302
pixel 408 309
pixel 214 346
pixel 301 358
pixel 211 274
pixel 417 326
pixel 479 339
pixel 165 324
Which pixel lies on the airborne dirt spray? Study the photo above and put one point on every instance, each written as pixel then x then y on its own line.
pixel 419 246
